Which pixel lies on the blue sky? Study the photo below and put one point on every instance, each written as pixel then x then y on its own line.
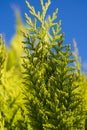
pixel 73 14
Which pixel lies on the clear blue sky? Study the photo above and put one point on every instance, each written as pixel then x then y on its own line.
pixel 73 14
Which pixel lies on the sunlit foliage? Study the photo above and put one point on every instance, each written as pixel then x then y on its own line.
pixel 41 83
pixel 52 81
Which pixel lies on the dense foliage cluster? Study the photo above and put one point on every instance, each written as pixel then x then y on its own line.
pixel 41 83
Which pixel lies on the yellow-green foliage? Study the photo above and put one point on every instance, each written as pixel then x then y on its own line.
pixel 16 49
pixel 2 75
pixel 52 83
pixel 83 77
pixel 44 67
pixel 11 111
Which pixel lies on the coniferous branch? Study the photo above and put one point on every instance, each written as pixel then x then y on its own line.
pixel 10 84
pixel 50 78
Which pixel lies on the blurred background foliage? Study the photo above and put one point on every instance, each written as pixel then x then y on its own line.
pixel 12 115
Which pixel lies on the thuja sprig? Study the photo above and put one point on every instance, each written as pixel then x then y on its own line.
pixel 50 83
pixel 44 25
pixel 38 15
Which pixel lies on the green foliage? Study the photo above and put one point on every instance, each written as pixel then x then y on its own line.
pixel 2 68
pixel 2 57
pixel 51 81
pixel 12 114
pixel 45 89
pixel 15 51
